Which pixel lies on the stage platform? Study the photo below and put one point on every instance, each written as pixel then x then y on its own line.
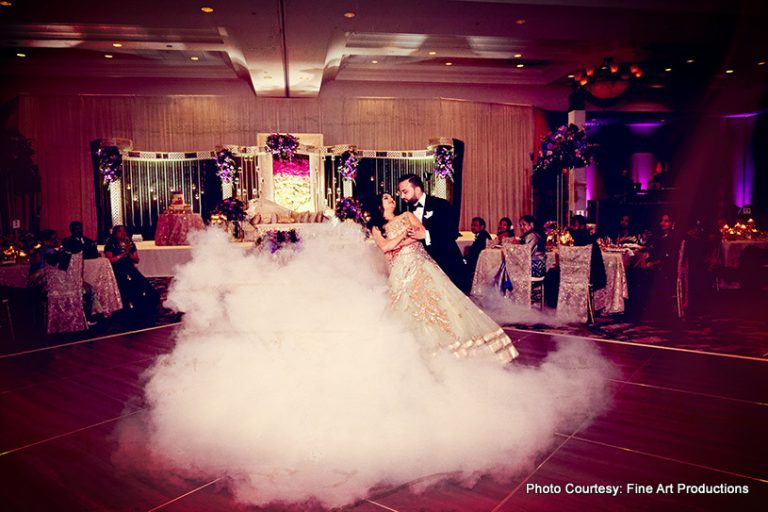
pixel 161 261
pixel 678 417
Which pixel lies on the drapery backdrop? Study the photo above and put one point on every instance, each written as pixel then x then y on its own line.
pixel 498 139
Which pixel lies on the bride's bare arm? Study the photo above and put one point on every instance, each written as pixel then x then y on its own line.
pixel 386 244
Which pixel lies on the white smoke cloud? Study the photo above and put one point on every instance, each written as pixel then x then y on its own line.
pixel 291 380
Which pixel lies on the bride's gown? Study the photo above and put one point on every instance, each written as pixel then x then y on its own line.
pixel 439 314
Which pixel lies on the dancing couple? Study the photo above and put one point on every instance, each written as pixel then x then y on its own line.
pixel 428 276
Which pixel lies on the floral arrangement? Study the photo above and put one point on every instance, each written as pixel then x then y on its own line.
pixel 282 146
pixel 226 166
pixel 276 239
pixel 110 164
pixel 231 209
pixel 444 162
pixel 564 148
pixel 348 167
pixel 349 208
pixel 296 167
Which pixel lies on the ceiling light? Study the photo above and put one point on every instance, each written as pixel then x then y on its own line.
pixel 6 4
pixel 518 55
pixel 22 55
pixel 761 63
pixel 432 53
pixel 690 61
pixel 520 21
pixel 117 45
pixel 729 71
pixel 571 76
pixel 207 10
pixel 349 14
pixel 668 70
pixel 519 65
pixel 374 62
pixel 195 58
pixel 449 63
pixel 107 55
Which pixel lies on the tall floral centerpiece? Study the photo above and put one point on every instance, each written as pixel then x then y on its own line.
pixel 110 164
pixel 563 149
pixel 226 167
pixel 443 167
pixel 348 167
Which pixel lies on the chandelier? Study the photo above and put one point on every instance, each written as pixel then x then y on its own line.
pixel 609 80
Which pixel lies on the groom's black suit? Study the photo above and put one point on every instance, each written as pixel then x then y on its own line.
pixel 442 225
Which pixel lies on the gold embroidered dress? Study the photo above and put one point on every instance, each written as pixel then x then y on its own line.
pixel 442 317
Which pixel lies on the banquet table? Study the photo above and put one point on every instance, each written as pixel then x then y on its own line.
pixel 608 300
pixel 96 272
pixel 730 255
pixel 173 228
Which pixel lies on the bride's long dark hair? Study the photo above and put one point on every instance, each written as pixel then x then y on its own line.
pixel 376 211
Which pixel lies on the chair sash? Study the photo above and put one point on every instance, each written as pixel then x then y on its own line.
pixel 517 263
pixel 64 292
pixel 573 299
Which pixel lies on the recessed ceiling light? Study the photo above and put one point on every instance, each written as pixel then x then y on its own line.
pixel 117 45
pixel 761 63
pixel 519 65
pixel 22 55
pixel 690 61
pixel 520 21
pixel 729 71
pixel 6 4
pixel 432 53
pixel 571 76
pixel 349 14
pixel 194 57
pixel 374 62
pixel 518 55
pixel 108 55
pixel 449 63
pixel 668 70
pixel 207 10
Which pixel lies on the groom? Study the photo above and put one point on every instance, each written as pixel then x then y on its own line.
pixel 440 229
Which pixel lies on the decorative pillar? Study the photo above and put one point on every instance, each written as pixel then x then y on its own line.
pixel 577 178
pixel 116 201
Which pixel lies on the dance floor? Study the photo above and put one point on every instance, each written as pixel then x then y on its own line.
pixel 678 418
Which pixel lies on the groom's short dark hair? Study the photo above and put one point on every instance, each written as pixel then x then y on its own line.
pixel 413 179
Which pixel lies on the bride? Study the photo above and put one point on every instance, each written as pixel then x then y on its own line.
pixel 440 315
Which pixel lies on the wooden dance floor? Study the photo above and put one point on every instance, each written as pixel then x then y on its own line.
pixel 678 419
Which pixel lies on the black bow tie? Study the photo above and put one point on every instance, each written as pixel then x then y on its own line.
pixel 415 207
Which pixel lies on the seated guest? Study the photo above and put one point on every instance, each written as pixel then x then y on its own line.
pixel 625 233
pixel 535 242
pixel 140 299
pixel 49 253
pixel 581 237
pixel 504 230
pixel 481 238
pixel 78 243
